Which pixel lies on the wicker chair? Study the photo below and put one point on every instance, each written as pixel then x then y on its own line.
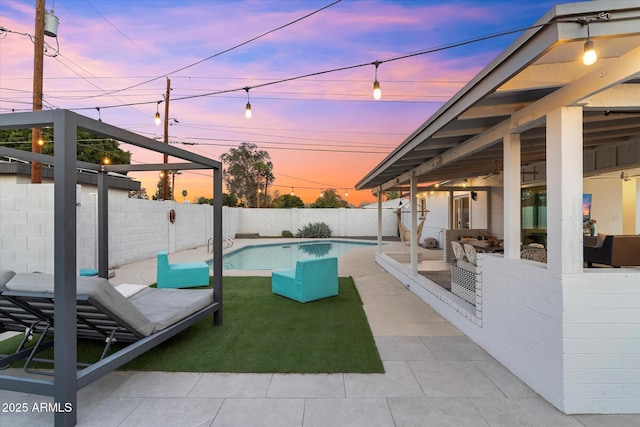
pixel 534 254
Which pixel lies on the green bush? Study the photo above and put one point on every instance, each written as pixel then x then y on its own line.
pixel 287 233
pixel 314 230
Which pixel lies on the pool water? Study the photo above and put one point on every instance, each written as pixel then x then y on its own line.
pixel 284 255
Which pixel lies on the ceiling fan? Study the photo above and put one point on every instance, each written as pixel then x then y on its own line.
pixel 623 176
pixel 496 170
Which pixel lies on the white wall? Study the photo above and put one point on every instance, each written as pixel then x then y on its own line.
pixel 606 203
pixel 138 229
pixel 573 339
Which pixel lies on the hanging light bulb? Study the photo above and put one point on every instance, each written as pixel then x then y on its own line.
pixel 158 121
pixel 40 141
pixel 377 92
pixel 321 193
pixel 99 116
pixel 292 193
pixel 247 110
pixel 106 160
pixel 590 56
pixel 346 193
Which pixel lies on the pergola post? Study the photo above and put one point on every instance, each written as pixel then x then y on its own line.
pixel 564 198
pixel 414 225
pixel 512 198
pixel 103 224
pixel 65 353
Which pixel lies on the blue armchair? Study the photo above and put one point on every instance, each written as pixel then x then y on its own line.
pixel 181 275
pixel 312 279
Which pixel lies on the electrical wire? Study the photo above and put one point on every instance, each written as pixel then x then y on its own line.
pixel 229 49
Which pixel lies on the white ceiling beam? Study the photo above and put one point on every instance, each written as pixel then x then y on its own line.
pixel 621 97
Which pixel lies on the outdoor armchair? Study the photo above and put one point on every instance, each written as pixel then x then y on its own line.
pixel 312 279
pixel 181 275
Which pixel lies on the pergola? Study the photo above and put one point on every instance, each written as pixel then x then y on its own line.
pixel 538 105
pixel 66 379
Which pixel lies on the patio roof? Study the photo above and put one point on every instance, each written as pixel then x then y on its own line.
pixel 540 71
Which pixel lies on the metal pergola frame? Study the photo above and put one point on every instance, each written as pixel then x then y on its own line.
pixel 67 380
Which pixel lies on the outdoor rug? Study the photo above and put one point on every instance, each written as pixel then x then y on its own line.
pixel 264 332
pixel 442 278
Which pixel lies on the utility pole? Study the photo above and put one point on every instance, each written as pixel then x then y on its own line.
pixel 165 177
pixel 38 61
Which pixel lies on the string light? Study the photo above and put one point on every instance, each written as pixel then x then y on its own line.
pixel 589 57
pixel 346 192
pixel 158 121
pixel 247 110
pixel 321 193
pixel 292 193
pixel 377 92
pixel 106 161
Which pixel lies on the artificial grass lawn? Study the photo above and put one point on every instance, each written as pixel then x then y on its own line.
pixel 264 332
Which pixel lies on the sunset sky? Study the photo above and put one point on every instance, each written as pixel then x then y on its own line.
pixel 323 131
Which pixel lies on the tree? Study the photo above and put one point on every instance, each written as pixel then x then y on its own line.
pixel 330 199
pixel 390 195
pixel 91 148
pixel 160 189
pixel 227 200
pixel 184 195
pixel 287 201
pixel 246 169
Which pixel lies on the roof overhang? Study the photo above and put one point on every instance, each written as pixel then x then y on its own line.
pixel 542 70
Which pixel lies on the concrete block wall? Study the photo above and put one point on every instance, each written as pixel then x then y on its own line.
pixel 138 229
pixel 271 222
pixel 26 227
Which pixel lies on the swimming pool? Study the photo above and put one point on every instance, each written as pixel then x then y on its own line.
pixel 284 255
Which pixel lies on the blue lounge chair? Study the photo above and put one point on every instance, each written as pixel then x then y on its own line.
pixel 181 275
pixel 312 279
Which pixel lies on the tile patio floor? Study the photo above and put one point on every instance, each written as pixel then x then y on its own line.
pixel 435 376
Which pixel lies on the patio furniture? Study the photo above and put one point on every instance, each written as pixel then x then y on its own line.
pixel 616 251
pixel 465 274
pixel 312 279
pixel 405 233
pixel 143 320
pixel 458 252
pixel 181 275
pixel 534 254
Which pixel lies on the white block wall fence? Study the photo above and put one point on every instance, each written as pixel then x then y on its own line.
pixel 138 229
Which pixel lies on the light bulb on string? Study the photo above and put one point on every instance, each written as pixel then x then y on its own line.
pixel 377 92
pixel 247 110
pixel 158 120
pixel 292 193
pixel 589 56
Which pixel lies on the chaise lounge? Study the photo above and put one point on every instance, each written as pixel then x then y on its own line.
pixel 181 275
pixel 144 319
pixel 312 279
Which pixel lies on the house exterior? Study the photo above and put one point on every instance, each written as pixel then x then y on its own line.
pixel 514 152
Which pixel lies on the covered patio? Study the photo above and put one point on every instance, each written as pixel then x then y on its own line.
pixel 538 115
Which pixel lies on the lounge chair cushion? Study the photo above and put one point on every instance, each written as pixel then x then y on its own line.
pixel 97 288
pixel 164 307
pixel 5 276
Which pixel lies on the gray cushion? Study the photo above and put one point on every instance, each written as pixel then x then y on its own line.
pixel 466 265
pixel 5 276
pixel 97 288
pixel 164 307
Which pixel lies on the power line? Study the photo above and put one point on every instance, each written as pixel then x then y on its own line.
pixel 230 49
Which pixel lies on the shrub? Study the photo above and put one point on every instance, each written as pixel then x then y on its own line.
pixel 287 233
pixel 314 230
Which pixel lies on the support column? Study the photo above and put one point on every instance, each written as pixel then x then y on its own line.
pixel 414 225
pixel 564 190
pixel 103 225
pixel 512 182
pixel 65 267
pixel 379 220
pixel 217 243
